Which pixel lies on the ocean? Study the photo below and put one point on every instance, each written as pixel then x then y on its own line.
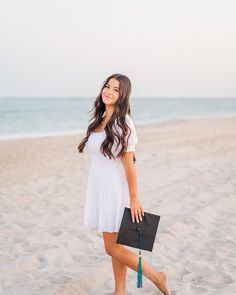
pixel 38 117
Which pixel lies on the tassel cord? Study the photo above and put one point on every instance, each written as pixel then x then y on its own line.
pixel 140 273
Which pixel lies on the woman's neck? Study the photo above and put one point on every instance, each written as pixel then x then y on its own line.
pixel 109 110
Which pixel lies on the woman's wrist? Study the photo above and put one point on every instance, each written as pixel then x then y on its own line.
pixel 133 197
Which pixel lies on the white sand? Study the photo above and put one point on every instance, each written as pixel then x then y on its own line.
pixel 186 174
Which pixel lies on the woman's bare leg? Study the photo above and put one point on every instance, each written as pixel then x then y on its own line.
pixel 120 271
pixel 130 259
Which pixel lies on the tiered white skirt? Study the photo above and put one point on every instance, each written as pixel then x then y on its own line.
pixel 107 195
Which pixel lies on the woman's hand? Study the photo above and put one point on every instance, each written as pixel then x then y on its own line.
pixel 136 209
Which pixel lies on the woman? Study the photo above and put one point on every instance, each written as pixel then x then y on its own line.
pixel 112 183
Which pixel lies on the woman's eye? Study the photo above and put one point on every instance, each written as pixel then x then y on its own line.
pixel 107 86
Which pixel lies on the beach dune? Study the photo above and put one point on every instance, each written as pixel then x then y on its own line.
pixel 186 173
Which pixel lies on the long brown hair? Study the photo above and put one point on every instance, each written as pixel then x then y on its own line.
pixel 122 108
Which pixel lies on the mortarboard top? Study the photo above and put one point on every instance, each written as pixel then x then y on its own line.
pixel 138 235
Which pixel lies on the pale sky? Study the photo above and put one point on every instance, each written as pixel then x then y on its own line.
pixel 168 48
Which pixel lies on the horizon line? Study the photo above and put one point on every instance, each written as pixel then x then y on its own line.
pixel 90 97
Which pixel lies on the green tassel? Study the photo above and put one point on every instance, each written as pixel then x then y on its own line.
pixel 140 273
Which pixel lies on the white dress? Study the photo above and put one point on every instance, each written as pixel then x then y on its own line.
pixel 107 189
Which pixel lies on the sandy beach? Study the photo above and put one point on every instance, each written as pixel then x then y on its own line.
pixel 186 173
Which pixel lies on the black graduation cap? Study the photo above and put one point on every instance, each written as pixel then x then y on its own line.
pixel 138 235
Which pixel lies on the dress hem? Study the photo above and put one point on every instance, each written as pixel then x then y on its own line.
pixel 99 229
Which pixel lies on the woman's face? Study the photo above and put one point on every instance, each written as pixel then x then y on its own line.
pixel 110 92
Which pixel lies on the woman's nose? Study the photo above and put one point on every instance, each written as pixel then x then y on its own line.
pixel 109 91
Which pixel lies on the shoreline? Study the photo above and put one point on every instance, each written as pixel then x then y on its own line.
pixel 81 132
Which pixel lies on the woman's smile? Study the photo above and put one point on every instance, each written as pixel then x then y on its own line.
pixel 107 97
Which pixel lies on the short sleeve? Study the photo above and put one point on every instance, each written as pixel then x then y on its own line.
pixel 133 139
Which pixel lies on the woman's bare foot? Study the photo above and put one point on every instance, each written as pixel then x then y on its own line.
pixel 162 283
pixel 119 292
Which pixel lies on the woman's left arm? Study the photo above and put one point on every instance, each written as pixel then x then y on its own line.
pixel 131 176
